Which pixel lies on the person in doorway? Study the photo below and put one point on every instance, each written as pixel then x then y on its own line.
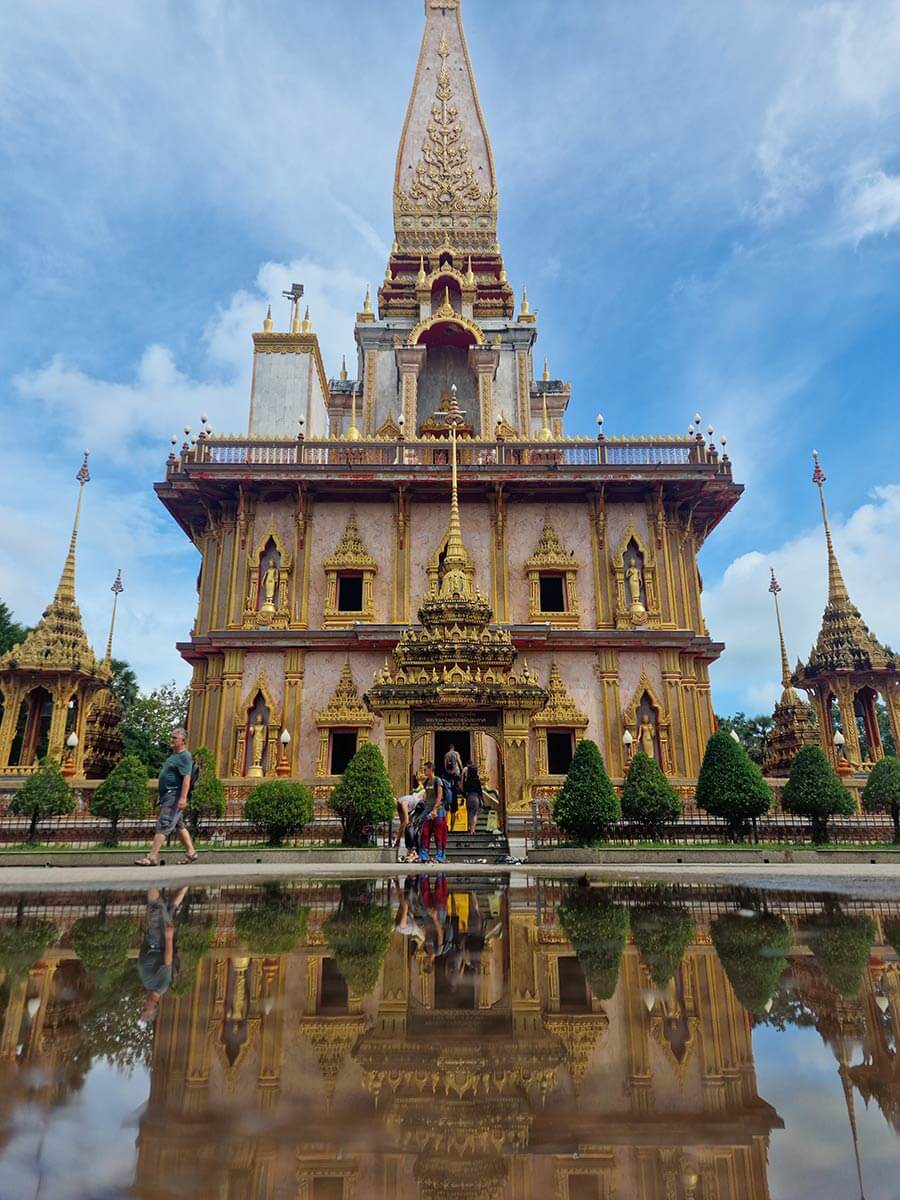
pixel 172 798
pixel 473 792
pixel 453 767
pixel 435 818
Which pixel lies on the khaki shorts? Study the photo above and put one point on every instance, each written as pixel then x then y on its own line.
pixel 170 817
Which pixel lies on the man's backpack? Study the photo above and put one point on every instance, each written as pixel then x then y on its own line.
pixel 195 775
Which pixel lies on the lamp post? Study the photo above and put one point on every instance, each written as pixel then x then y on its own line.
pixel 627 742
pixel 68 768
pixel 284 766
pixel 839 742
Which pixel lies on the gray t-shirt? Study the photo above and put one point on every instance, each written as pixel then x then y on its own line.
pixel 174 770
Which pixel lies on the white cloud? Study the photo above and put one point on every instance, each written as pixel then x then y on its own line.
pixel 739 609
pixel 872 206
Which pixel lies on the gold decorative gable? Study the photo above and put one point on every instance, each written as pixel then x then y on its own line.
pixel 560 711
pixel 345 710
pixel 350 555
pixel 351 550
pixel 389 429
pixel 550 555
pixel 550 552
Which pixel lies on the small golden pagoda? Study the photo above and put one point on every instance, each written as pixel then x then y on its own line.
pixel 848 665
pixel 793 721
pixel 51 681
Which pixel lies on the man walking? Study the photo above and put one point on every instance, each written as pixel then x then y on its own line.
pixel 435 815
pixel 174 785
pixel 453 767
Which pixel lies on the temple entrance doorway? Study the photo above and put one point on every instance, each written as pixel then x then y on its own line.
pixel 444 739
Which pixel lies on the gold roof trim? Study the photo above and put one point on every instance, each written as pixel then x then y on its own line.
pixel 550 552
pixel 560 711
pixel 351 551
pixel 345 706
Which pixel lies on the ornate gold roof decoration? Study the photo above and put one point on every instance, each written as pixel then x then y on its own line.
pixel 560 711
pixel 793 723
pixel 345 707
pixel 351 551
pixel 844 642
pixel 550 552
pixel 579 1035
pixel 446 312
pixel 332 1039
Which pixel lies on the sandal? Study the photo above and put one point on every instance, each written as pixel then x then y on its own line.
pixel 146 862
pixel 188 858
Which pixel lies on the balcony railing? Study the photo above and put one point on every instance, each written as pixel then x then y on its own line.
pixel 616 452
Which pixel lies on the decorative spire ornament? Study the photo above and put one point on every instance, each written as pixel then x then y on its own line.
pixel 343 374
pixel 421 278
pixel 117 589
pixel 267 320
pixel 775 588
pixel 296 324
pixel 837 589
pixel 65 590
pixel 545 434
pixel 353 433
pixel 367 302
pixel 307 323
pixel 546 375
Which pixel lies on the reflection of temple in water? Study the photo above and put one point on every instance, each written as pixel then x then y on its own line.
pixel 491 1074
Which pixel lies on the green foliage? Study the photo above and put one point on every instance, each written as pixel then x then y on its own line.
pixel 814 790
pixel 124 684
pixel 192 940
pixel 44 794
pixel 882 790
pixel 753 952
pixel 586 804
pixel 730 785
pixel 111 1028
pixel 662 933
pixel 597 929
pixel 123 793
pixel 279 808
pixel 364 797
pixel 149 719
pixel 11 632
pixel 274 926
pixel 841 944
pixel 102 943
pixel 892 933
pixel 21 945
pixel 358 935
pixel 884 728
pixel 208 797
pixel 752 732
pixel 647 797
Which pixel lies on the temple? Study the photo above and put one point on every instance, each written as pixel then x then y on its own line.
pixel 417 551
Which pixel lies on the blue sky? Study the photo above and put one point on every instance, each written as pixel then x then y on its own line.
pixel 703 199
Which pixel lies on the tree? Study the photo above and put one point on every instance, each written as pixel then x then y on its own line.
pixel 22 944
pixel 358 935
pixel 123 793
pixel 273 926
pixel 753 952
pixel 882 791
pixel 662 933
pixel 279 808
pixel 364 797
pixel 44 794
pixel 11 632
pixel 586 804
pixel 814 790
pixel 111 1029
pixel 597 929
pixel 752 732
pixel 730 785
pixel 841 944
pixel 892 933
pixel 884 728
pixel 102 943
pixel 148 721
pixel 648 798
pixel 208 797
pixel 124 684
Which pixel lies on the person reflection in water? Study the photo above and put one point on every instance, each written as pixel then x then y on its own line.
pixel 158 957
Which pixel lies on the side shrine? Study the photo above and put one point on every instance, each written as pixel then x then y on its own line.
pixel 419 554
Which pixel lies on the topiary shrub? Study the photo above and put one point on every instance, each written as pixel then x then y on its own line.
pixel 648 798
pixel 841 944
pixel 586 804
pixel 814 790
pixel 102 943
pixel 279 808
pixel 207 800
pixel 44 794
pixel 882 791
pixel 753 952
pixel 662 933
pixel 364 797
pixel 358 935
pixel 123 793
pixel 22 944
pixel 273 926
pixel 597 929
pixel 731 786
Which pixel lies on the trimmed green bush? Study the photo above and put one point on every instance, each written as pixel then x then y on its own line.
pixel 814 790
pixel 882 790
pixel 753 952
pixel 279 808
pixel 123 793
pixel 364 797
pixel 207 800
pixel 358 935
pixel 102 943
pixel 44 794
pixel 648 798
pixel 22 945
pixel 275 925
pixel 586 804
pixel 662 933
pixel 597 929
pixel 731 786
pixel 841 944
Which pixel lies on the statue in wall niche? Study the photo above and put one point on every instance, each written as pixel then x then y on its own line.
pixel 634 581
pixel 647 736
pixel 257 747
pixel 270 584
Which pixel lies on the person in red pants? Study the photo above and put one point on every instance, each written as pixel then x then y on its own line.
pixel 435 818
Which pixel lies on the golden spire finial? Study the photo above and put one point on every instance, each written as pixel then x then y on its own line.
pixel 546 375
pixel 470 274
pixel 307 323
pixel 353 433
pixel 343 366
pixel 267 320
pixel 117 589
pixel 367 303
pixel 837 589
pixel 421 278
pixel 775 588
pixel 525 310
pixel 295 317
pixel 456 551
pixel 545 434
pixel 66 588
